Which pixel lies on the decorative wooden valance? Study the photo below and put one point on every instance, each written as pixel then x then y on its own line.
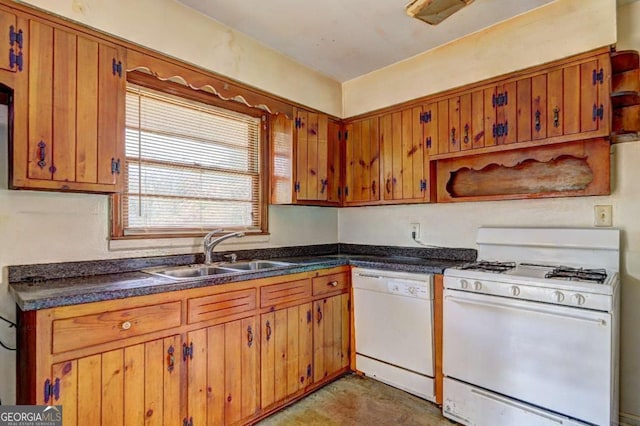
pixel 206 82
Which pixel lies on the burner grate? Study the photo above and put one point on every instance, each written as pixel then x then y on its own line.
pixel 578 274
pixel 483 265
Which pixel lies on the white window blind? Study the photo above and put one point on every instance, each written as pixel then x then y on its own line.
pixel 191 167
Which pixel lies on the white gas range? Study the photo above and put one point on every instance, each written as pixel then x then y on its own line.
pixel 531 332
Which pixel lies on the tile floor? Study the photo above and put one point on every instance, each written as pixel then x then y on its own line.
pixel 355 400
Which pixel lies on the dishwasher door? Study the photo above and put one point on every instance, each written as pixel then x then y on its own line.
pixel 393 318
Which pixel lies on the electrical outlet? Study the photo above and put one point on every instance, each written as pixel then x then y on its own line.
pixel 415 231
pixel 603 215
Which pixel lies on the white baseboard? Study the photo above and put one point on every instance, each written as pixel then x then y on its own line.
pixel 629 420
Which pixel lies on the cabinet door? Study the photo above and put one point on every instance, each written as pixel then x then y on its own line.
pixel 312 156
pixel 330 336
pixel 11 40
pixel 223 374
pixel 281 140
pixel 363 161
pixel 404 155
pixel 333 167
pixel 135 385
pixel 286 353
pixel 75 113
pixel 595 88
pixel 539 106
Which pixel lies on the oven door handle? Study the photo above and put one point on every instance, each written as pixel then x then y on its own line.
pixel 598 321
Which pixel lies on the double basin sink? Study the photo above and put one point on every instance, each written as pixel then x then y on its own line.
pixel 201 271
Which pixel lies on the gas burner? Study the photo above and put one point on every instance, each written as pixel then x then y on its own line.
pixel 578 274
pixel 483 265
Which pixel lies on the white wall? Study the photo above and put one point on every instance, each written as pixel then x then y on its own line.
pixel 553 31
pixel 455 225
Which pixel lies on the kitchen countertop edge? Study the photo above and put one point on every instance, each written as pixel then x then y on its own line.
pixel 54 293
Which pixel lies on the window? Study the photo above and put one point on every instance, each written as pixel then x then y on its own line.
pixel 190 166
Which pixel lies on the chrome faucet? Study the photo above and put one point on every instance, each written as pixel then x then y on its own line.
pixel 210 243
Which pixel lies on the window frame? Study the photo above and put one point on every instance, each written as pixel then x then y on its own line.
pixel 176 89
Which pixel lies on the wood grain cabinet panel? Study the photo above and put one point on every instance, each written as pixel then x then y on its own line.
pixel 330 336
pixel 286 292
pixel 362 161
pixel 137 384
pixel 332 283
pixel 286 353
pixel 404 150
pixel 221 305
pixel 89 330
pixel 223 374
pixel 74 113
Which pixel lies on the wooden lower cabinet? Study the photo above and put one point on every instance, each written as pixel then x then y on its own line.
pixel 216 355
pixel 287 353
pixel 330 336
pixel 223 373
pixel 134 385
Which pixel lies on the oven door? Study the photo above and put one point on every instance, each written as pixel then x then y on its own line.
pixel 555 357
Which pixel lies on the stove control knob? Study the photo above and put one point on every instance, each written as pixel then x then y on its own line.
pixel 464 284
pixel 477 285
pixel 515 290
pixel 578 299
pixel 412 290
pixel 557 296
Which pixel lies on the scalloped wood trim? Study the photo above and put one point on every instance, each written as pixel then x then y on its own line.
pixel 201 81
pixel 206 88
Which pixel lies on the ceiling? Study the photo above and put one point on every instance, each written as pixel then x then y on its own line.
pixel 348 38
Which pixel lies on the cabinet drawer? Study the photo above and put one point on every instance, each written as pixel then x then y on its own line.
pixel 285 292
pixel 220 305
pixel 89 330
pixel 330 283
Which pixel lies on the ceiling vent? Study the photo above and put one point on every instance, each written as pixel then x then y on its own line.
pixel 434 11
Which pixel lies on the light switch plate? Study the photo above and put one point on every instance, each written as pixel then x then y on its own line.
pixel 603 215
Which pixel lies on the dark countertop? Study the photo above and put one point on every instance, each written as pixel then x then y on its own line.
pixel 40 293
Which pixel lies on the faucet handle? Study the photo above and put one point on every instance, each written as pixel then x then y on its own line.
pixel 232 257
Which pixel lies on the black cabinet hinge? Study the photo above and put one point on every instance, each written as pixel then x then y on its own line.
pixel 308 370
pixel 346 135
pixel 346 191
pixel 187 351
pixel 15 60
pixel 296 187
pixel 425 117
pixel 598 77
pixel 116 67
pixel 298 122
pixel 428 142
pixel 187 422
pixel 423 185
pixel 598 112
pixel 15 37
pixel 51 390
pixel 115 166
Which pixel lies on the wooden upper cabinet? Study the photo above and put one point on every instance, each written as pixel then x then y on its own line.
pixel 334 137
pixel 73 137
pixel 362 161
pixel 313 158
pixel 404 149
pixel 281 161
pixel 11 42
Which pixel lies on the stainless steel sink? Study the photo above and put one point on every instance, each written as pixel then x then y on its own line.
pixel 200 271
pixel 256 265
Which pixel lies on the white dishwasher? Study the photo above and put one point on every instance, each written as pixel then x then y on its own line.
pixel 393 321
